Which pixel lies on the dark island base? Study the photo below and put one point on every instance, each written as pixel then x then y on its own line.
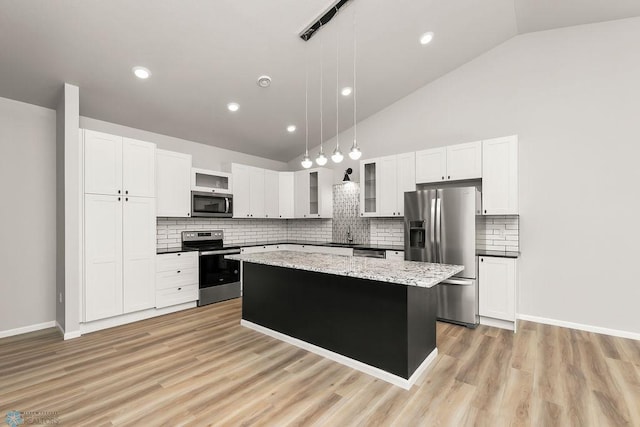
pixel 387 326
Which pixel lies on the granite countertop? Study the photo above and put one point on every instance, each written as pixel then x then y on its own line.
pixel 408 273
pixel 388 247
pixel 498 254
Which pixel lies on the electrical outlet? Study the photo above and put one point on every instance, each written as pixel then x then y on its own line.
pixel 60 298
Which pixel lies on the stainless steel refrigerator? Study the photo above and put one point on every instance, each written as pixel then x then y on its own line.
pixel 440 227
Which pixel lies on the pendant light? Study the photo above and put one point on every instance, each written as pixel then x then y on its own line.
pixel 337 154
pixel 321 160
pixel 306 161
pixel 355 152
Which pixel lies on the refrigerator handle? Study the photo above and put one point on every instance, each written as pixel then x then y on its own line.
pixel 432 221
pixel 438 235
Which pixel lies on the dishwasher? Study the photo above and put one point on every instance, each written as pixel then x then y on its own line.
pixel 370 253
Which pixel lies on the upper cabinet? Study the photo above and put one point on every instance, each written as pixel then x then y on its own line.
pixel 286 195
pixel 500 176
pixel 271 191
pixel 383 183
pixel 313 190
pixel 452 163
pixel 116 165
pixel 211 181
pixel 173 178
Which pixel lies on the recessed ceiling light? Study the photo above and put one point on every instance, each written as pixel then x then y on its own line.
pixel 291 128
pixel 346 91
pixel 141 72
pixel 426 38
pixel 264 81
pixel 233 106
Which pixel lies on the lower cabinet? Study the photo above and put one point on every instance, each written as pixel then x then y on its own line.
pixel 176 278
pixel 498 282
pixel 119 252
pixel 395 255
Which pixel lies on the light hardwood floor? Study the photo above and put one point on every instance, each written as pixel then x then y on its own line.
pixel 200 367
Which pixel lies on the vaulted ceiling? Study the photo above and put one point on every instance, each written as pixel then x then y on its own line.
pixel 205 54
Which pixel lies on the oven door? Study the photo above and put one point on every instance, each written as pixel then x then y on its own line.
pixel 219 277
pixel 211 205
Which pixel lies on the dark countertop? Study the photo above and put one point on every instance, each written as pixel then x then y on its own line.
pixel 498 254
pixel 173 250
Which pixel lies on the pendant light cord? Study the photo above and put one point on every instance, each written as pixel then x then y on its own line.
pixel 355 97
pixel 306 104
pixel 337 87
pixel 321 90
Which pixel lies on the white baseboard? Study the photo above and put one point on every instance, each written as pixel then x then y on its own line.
pixel 67 335
pixel 26 329
pixel 498 323
pixel 347 361
pixel 98 325
pixel 581 327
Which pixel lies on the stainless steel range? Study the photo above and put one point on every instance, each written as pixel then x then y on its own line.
pixel 219 277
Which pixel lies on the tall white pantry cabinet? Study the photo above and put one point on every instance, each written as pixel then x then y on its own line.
pixel 119 225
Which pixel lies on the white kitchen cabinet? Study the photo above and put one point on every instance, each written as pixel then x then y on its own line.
pixel 138 168
pixel 119 225
pixel 271 199
pixel 242 191
pixel 394 255
pixel 103 256
pixel 286 195
pixel 451 163
pixel 431 165
pixel 119 252
pixel 497 288
pixel 102 163
pixel 500 176
pixel 139 252
pixel 249 198
pixel 406 166
pixel 173 180
pixel 176 278
pixel 314 193
pixel 384 182
pixel 208 181
pixel 115 165
pixel 464 161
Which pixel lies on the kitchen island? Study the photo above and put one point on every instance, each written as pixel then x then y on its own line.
pixel 375 315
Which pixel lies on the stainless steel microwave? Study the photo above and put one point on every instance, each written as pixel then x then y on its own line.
pixel 211 205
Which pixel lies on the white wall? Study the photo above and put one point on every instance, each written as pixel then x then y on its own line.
pixel 573 97
pixel 204 156
pixel 27 215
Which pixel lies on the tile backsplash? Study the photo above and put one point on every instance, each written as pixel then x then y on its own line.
pixel 346 218
pixel 498 233
pixel 387 231
pixel 241 231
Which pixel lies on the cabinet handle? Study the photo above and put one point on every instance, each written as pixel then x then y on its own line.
pixel 251 215
pixel 178 271
pixel 485 211
pixel 443 177
pixel 265 215
pixel 188 214
pixel 481 259
pixel 179 289
pixel 126 192
pixel 449 177
pixel 119 191
pixel 247 215
pixel 179 254
pixel 126 199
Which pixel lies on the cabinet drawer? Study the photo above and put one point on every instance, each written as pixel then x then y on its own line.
pixel 395 255
pixel 175 278
pixel 176 295
pixel 177 261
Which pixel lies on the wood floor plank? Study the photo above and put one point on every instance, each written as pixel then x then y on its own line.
pixel 199 367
